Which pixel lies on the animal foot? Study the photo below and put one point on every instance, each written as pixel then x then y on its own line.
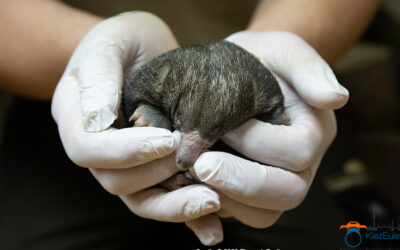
pixel 147 115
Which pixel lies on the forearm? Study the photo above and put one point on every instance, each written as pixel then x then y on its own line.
pixel 330 26
pixel 37 39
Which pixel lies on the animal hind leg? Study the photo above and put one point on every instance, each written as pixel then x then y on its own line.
pixel 148 115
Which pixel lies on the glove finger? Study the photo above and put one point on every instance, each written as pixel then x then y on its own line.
pixel 251 216
pixel 112 148
pixel 131 180
pixel 222 213
pixel 310 129
pixel 290 57
pixel 187 203
pixel 100 83
pixel 98 66
pixel 252 183
pixel 207 228
pixel 279 145
pixel 108 50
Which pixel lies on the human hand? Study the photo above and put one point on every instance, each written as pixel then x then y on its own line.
pixel 127 162
pixel 257 193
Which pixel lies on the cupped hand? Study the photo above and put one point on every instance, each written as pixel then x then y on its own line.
pixel 127 162
pixel 284 158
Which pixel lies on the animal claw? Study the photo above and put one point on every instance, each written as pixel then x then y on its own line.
pixel 138 118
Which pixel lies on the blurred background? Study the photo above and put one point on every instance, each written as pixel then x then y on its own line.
pixel 362 168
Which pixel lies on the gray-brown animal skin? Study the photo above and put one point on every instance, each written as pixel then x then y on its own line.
pixel 203 91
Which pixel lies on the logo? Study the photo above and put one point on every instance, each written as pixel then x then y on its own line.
pixel 382 235
pixel 353 236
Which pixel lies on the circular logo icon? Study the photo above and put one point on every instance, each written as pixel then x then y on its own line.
pixel 353 237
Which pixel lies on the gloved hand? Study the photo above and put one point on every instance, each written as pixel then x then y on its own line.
pixel 257 193
pixel 127 162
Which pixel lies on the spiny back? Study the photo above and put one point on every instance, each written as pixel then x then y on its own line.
pixel 212 88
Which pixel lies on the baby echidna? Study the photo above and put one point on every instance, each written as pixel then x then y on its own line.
pixel 203 91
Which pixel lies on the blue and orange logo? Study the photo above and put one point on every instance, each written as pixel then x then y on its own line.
pixel 353 236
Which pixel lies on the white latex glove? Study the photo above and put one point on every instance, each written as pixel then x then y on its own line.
pixel 257 193
pixel 127 162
